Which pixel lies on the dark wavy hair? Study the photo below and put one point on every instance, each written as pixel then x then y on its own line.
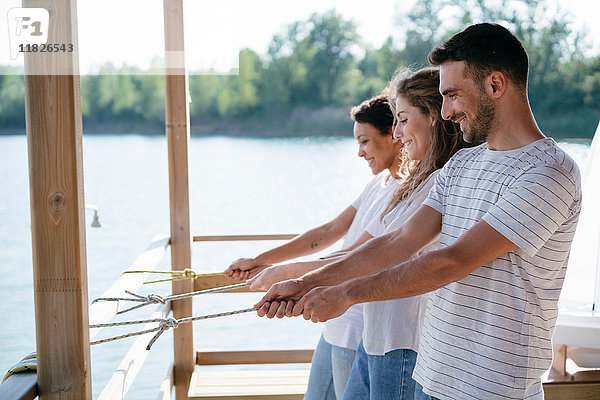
pixel 375 111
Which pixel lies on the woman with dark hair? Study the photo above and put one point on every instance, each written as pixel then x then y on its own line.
pixel 333 357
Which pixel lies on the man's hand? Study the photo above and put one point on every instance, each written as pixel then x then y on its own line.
pixel 322 303
pixel 281 298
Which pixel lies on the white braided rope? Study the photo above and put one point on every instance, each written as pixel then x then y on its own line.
pixel 158 299
pixel 164 324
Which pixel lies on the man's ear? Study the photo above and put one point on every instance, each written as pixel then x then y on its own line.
pixel 496 84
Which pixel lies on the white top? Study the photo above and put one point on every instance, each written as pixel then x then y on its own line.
pixel 346 330
pixel 488 335
pixel 396 324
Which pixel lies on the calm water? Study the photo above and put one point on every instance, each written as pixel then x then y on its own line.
pixel 237 186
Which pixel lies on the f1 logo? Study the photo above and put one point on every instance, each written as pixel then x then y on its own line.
pixel 27 26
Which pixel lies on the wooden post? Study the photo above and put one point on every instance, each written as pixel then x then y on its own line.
pixel 54 134
pixel 178 135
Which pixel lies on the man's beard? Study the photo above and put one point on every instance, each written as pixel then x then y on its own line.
pixel 478 131
pixel 484 120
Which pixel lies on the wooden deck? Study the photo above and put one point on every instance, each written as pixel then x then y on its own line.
pixel 284 384
pixel 266 381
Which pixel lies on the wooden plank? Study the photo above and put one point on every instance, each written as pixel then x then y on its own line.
pixel 253 357
pixel 295 396
pixel 572 391
pixel 249 384
pixel 236 238
pixel 54 135
pixel 21 386
pixel 217 279
pixel 166 386
pixel 103 311
pixel 120 382
pixel 178 136
pixel 559 360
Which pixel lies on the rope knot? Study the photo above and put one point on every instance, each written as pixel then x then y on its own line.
pixel 169 323
pixel 189 273
pixel 156 298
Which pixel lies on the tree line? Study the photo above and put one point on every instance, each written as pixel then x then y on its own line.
pixel 316 69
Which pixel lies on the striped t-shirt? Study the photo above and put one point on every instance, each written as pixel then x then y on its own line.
pixel 488 335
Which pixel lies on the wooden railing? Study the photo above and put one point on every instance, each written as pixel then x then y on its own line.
pixel 238 238
pixel 123 377
pixel 253 357
pixel 23 386
pixel 104 311
pixel 101 312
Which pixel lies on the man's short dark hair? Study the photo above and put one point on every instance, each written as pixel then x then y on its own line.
pixel 485 48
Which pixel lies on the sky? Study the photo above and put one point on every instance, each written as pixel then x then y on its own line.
pixel 131 31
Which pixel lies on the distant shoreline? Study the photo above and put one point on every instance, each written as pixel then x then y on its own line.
pixel 305 122
pixel 99 132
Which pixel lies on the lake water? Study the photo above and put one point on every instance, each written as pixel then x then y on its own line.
pixel 237 186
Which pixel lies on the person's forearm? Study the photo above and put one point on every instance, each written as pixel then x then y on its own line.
pixel 376 254
pixel 419 275
pixel 478 246
pixel 298 269
pixel 307 243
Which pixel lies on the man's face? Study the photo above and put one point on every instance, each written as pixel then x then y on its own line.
pixel 465 102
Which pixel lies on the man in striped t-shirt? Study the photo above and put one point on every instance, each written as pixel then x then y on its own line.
pixel 507 212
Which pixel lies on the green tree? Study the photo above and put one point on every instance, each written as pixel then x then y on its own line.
pixel 307 62
pixel 560 81
pixel 332 39
pixel 204 91
pixel 240 94
pixel 12 99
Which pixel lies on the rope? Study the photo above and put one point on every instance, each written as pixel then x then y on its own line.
pixel 28 363
pixel 157 299
pixel 187 273
pixel 164 324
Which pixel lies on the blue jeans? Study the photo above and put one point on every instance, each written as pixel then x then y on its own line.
pixel 382 377
pixel 420 395
pixel 329 371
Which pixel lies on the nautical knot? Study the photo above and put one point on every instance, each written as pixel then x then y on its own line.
pixel 169 323
pixel 156 298
pixel 190 273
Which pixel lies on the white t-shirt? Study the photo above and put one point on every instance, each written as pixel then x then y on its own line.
pixel 488 335
pixel 346 330
pixel 396 324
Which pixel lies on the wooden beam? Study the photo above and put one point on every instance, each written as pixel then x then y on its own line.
pixel 572 391
pixel 254 357
pixel 217 279
pixel 235 238
pixel 559 361
pixel 178 136
pixel 21 386
pixel 54 135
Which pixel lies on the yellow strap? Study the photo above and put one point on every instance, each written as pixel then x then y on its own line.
pixel 187 273
pixel 29 363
